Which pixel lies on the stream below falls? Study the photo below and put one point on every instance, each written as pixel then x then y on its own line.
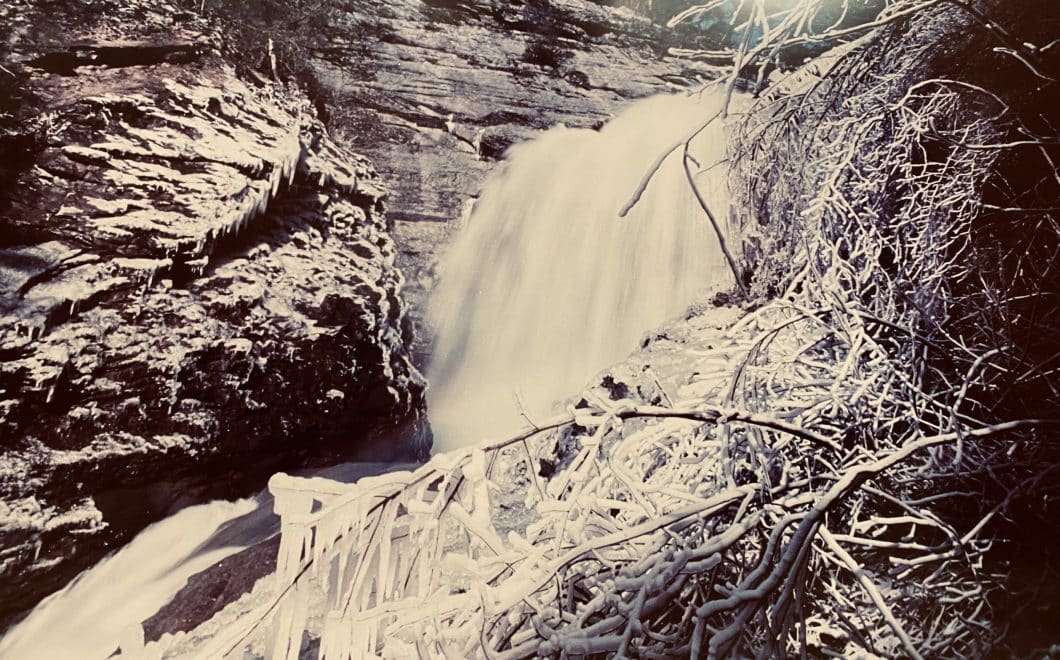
pixel 87 619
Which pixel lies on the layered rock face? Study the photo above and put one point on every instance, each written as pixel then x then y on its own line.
pixel 197 287
pixel 434 91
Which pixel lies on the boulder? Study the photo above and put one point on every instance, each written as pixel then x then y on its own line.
pixel 197 288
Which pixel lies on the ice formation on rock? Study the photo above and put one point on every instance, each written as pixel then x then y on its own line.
pixel 213 266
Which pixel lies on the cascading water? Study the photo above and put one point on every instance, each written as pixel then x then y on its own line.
pixel 545 285
pixel 91 617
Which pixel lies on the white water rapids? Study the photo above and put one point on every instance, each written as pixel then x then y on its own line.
pixel 104 605
pixel 90 616
pixel 545 285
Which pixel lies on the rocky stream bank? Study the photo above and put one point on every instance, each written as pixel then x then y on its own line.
pixel 198 287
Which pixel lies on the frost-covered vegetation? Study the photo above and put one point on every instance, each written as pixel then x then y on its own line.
pixel 860 464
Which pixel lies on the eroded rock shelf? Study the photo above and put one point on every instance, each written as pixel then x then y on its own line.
pixel 198 285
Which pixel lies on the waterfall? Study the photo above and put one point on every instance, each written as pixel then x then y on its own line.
pixel 545 285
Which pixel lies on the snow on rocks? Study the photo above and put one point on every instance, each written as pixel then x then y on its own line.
pixel 198 271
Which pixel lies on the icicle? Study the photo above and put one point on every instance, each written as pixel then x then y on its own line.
pixel 384 551
pixel 426 563
pixel 324 541
pixel 349 638
pixel 152 273
pixel 401 552
pixel 340 576
pixel 282 623
pixel 476 472
pixel 306 549
pixel 359 649
pixel 259 208
pixel 292 506
pixel 277 179
pixel 332 646
pixel 292 164
pixel 300 610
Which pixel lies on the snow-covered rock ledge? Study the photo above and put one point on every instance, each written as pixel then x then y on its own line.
pixel 197 287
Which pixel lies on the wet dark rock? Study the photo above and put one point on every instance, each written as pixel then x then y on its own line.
pixel 197 288
pixel 68 61
pixel 208 592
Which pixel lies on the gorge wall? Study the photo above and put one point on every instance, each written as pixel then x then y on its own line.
pixel 435 91
pixel 198 286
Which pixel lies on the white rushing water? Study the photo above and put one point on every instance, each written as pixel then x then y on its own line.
pixel 545 285
pixel 87 619
pixel 105 604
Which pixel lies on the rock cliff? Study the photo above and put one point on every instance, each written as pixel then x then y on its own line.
pixel 197 286
pixel 435 91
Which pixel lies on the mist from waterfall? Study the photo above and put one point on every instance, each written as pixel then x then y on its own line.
pixel 545 285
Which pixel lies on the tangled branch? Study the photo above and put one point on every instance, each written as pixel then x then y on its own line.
pixel 696 529
pixel 828 480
